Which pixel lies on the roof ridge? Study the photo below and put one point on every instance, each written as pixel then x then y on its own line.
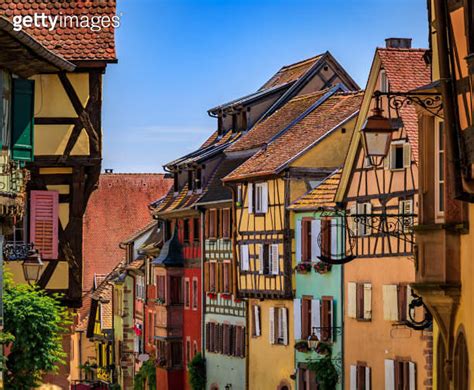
pixel 301 62
pixel 414 49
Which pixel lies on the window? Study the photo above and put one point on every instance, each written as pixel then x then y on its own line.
pixel 306 378
pixel 198 180
pixel 161 351
pixel 212 276
pixel 176 354
pixel 176 296
pixel 363 211
pixel 244 258
pixel 261 198
pixel 278 323
pixel 225 339
pixel 190 180
pixel 396 299
pixel 360 377
pixel 307 234
pixel 140 287
pixel 268 259
pixel 176 182
pixel 461 364
pixel 359 300
pixel 225 223
pixel 439 171
pixel 314 315
pixel 239 195
pixel 256 329
pixel 188 349
pixel 405 208
pixel 400 375
pixel 22 119
pixel 195 348
pixel 186 230
pixel 226 276
pixel 196 229
pixel 399 156
pixel 326 237
pixel 187 293
pixel 383 81
pixel 161 287
pixel 306 319
pixel 212 224
pixel 195 294
pixel 150 327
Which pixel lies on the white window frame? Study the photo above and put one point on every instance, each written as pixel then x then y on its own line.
pixel 406 147
pixel 261 198
pixel 439 214
pixel 384 85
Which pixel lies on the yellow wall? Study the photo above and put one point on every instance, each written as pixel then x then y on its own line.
pixel 270 364
pixel 59 280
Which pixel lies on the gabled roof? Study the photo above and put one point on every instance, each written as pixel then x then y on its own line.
pixel 318 121
pixel 263 131
pixel 74 44
pixel 290 73
pixel 322 196
pixel 171 255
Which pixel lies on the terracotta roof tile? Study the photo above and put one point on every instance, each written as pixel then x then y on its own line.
pixel 291 72
pixel 406 70
pixel 69 42
pixel 115 211
pixel 299 136
pixel 262 132
pixel 320 196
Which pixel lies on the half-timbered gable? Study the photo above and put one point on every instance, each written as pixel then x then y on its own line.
pixel 64 160
pixel 380 199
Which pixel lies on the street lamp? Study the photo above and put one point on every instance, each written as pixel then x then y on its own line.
pixel 377 132
pixel 32 267
pixel 313 341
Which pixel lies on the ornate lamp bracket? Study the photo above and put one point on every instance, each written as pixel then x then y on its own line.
pixel 429 101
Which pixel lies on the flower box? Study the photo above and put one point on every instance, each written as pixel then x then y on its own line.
pixel 303 268
pixel 302 346
pixel 322 268
pixel 212 295
pixel 226 296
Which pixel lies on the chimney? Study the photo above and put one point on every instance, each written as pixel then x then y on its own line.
pixel 398 43
pixel 108 170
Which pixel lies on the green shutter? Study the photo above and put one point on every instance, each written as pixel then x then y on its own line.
pixel 22 120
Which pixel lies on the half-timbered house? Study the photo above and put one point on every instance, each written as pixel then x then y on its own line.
pixel 305 140
pixel 318 302
pixel 444 233
pixel 64 161
pixel 381 198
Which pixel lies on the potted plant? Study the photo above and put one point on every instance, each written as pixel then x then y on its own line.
pixel 212 295
pixel 322 268
pixel 226 296
pixel 302 346
pixel 303 268
pixel 323 348
pixel 327 376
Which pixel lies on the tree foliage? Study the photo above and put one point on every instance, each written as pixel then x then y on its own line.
pixel 327 376
pixel 34 325
pixel 197 372
pixel 146 374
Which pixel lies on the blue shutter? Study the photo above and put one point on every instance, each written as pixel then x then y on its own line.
pixel 22 119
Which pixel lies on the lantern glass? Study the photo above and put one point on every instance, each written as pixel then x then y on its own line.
pixel 32 267
pixel 377 143
pixel 313 341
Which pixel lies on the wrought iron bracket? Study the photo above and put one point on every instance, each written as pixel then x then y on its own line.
pixel 426 322
pixel 429 101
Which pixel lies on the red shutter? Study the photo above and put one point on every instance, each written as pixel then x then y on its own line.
pixel 44 222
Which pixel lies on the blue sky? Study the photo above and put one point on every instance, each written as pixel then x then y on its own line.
pixel 179 58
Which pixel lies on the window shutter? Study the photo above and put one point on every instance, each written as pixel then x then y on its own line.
pixel 316 317
pixel 389 374
pixel 219 277
pixel 208 336
pixel 275 260
pixel 331 320
pixel 412 375
pixel 44 222
pixel 298 240
pixel 367 378
pixel 315 231
pixel 352 300
pixel 390 302
pixel 271 322
pixel 297 318
pixel 250 197
pixel 406 155
pixel 22 119
pixel 386 160
pixel 409 299
pixel 284 324
pixel 244 257
pixel 334 237
pixel 353 382
pixel 264 197
pixel 256 311
pixel 260 249
pixel 351 223
pixel 367 301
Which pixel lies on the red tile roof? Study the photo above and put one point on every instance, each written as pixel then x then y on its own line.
pixel 291 72
pixel 69 42
pixel 116 210
pixel 406 70
pixel 269 160
pixel 262 132
pixel 320 196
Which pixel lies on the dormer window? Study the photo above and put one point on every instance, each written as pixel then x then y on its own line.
pixel 190 180
pixel 198 179
pixel 176 182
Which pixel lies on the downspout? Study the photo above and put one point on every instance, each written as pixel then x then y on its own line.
pixel 448 92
